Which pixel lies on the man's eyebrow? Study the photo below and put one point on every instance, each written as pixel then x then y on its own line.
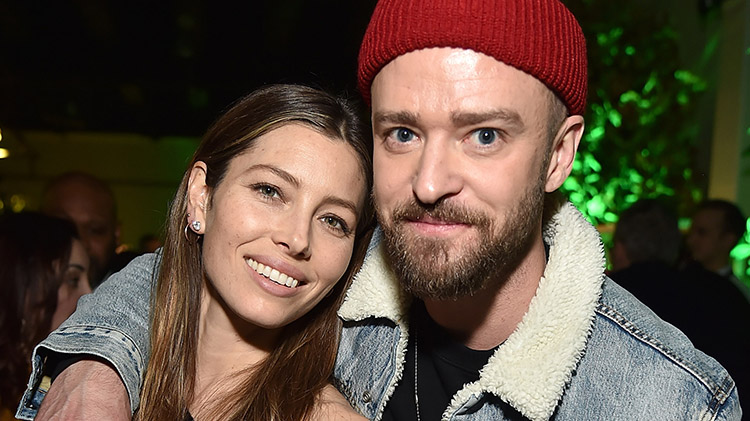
pixel 278 171
pixel 510 117
pixel 394 117
pixel 458 118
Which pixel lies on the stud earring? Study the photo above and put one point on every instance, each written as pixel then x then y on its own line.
pixel 196 225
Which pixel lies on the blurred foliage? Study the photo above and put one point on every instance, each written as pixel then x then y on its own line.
pixel 641 126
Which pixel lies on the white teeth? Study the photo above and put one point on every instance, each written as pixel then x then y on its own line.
pixel 273 274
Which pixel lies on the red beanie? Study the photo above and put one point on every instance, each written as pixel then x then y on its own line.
pixel 539 37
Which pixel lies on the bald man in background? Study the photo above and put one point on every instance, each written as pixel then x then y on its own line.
pixel 90 204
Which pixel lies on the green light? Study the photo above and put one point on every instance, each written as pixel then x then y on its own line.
pixel 596 133
pixel 596 207
pixel 652 81
pixel 591 162
pixel 601 39
pixel 740 251
pixel 592 178
pixel 610 217
pixel 571 184
pixel 634 176
pixel 630 50
pixel 629 96
pixel 645 153
pixel 615 118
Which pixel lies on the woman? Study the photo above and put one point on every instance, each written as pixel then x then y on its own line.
pixel 269 224
pixel 43 272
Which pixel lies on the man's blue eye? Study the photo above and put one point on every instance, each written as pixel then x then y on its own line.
pixel 486 136
pixel 403 135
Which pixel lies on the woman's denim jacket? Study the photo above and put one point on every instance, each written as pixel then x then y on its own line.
pixel 585 350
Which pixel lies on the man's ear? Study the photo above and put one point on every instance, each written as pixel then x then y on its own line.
pixel 728 241
pixel 564 149
pixel 197 196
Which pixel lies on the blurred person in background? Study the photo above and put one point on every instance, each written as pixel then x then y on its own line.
pixel 644 255
pixel 716 228
pixel 149 243
pixel 43 273
pixel 90 204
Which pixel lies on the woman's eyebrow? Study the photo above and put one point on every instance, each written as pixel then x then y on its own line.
pixel 278 171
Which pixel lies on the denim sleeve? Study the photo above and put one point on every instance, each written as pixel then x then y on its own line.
pixel 111 323
pixel 730 410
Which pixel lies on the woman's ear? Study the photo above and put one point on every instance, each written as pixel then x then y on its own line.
pixel 197 197
pixel 564 152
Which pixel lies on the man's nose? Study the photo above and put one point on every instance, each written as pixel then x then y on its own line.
pixel 438 172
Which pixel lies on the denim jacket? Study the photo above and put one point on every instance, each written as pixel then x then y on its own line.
pixel 585 350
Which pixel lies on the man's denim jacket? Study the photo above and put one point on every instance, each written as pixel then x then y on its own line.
pixel 585 350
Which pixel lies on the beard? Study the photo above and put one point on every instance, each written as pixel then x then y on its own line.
pixel 437 269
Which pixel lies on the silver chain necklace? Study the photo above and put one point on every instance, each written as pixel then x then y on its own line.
pixel 416 357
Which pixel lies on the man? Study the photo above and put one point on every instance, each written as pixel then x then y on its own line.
pixel 716 228
pixel 476 110
pixel 90 204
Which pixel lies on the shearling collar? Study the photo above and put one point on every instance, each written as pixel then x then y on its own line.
pixel 530 370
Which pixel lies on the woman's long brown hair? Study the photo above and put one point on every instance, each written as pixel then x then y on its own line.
pixel 34 249
pixel 287 384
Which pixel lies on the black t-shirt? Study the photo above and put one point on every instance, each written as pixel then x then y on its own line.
pixel 444 367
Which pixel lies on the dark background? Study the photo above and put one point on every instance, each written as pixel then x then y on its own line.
pixel 165 67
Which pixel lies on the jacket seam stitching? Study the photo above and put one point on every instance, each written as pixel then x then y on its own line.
pixel 719 395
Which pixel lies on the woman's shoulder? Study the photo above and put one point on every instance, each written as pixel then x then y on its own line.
pixel 333 406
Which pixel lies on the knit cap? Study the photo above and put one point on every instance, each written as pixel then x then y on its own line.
pixel 539 37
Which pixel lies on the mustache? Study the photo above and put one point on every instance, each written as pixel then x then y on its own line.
pixel 411 210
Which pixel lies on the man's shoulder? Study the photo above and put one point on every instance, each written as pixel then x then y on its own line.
pixel 626 331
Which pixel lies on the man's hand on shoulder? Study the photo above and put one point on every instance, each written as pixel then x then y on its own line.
pixel 87 390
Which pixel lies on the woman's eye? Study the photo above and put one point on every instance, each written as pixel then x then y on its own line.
pixel 485 136
pixel 402 135
pixel 336 224
pixel 72 280
pixel 268 191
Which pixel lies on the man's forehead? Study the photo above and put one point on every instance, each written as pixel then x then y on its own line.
pixel 456 83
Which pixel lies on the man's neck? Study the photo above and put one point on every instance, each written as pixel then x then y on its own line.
pixel 716 264
pixel 486 319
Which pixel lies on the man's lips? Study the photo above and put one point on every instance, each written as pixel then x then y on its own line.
pixel 427 219
pixel 429 224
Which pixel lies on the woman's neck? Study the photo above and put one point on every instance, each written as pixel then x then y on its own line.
pixel 227 345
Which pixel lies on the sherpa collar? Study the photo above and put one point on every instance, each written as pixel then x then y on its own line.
pixel 530 370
